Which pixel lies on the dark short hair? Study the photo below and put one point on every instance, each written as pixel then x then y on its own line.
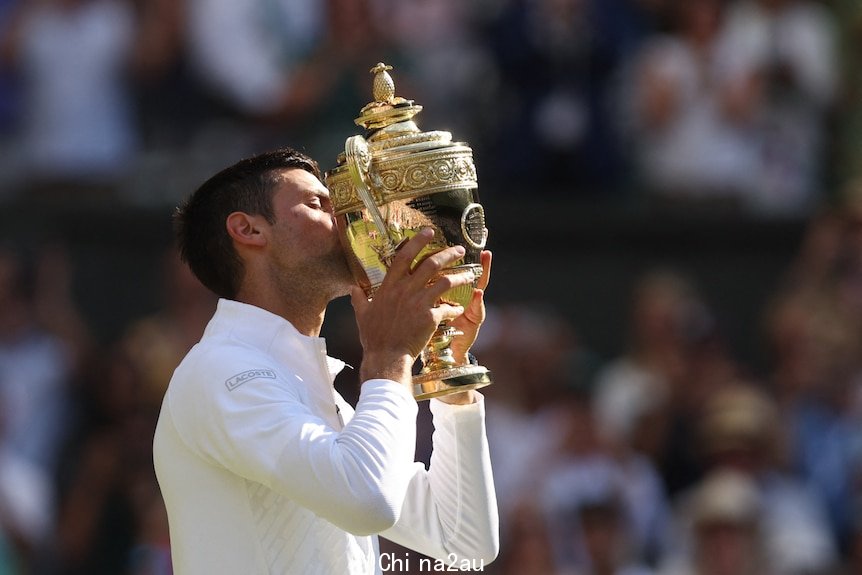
pixel 200 221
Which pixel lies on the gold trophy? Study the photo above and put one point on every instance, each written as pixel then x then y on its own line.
pixel 391 183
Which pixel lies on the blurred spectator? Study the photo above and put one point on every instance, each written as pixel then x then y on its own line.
pixel 739 431
pixel 815 337
pixel 608 514
pixel 723 515
pixel 528 544
pixel 167 99
pixel 151 553
pixel 287 70
pixel 645 400
pixel 822 253
pixel 353 41
pixel 110 517
pixel 640 382
pixel 790 47
pixel 26 512
pixel 73 57
pixel 446 64
pixel 557 63
pixel 531 354
pixel 255 56
pixel 155 344
pixel 693 117
pixel 603 533
pixel 35 368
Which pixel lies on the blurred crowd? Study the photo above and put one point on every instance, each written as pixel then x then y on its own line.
pixel 746 104
pixel 675 458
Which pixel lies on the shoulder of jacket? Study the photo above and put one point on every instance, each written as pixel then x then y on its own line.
pixel 224 363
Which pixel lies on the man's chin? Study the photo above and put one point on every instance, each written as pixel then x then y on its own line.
pixel 345 288
pixel 344 270
pixel 344 279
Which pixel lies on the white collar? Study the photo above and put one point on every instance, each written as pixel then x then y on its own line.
pixel 266 331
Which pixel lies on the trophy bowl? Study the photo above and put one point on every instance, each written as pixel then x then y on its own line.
pixel 387 186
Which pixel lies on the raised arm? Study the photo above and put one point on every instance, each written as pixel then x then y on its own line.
pixel 450 511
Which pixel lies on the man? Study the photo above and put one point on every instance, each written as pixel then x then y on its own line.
pixel 263 466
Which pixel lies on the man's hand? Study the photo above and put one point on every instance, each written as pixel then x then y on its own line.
pixel 469 323
pixel 402 317
pixel 471 320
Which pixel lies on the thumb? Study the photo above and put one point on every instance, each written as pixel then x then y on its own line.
pixel 475 312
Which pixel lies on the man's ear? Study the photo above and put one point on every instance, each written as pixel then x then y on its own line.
pixel 246 229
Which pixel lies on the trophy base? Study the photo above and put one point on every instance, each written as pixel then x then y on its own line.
pixel 450 380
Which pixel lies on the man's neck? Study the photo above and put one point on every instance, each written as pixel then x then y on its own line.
pixel 305 312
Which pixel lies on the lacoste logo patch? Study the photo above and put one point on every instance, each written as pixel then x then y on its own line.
pixel 240 378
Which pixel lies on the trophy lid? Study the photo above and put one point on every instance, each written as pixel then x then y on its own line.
pixel 387 109
pixel 395 160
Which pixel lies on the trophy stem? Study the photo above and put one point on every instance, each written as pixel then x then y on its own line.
pixel 441 373
pixel 437 354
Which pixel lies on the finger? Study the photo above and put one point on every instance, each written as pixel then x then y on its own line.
pixel 486 258
pixel 435 263
pixel 403 260
pixel 446 282
pixel 446 312
pixel 475 312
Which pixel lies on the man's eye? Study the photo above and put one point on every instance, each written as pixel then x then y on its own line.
pixel 315 203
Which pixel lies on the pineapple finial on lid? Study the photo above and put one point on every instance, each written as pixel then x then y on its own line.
pixel 387 108
pixel 384 87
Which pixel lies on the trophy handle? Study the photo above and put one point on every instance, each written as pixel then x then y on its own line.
pixel 358 160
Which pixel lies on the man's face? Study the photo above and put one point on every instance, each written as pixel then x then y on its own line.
pixel 304 236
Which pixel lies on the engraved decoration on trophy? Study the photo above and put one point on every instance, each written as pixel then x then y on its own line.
pixel 389 184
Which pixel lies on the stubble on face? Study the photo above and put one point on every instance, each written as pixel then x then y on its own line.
pixel 335 269
pixel 309 256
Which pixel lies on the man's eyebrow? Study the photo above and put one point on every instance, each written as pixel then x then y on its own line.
pixel 321 193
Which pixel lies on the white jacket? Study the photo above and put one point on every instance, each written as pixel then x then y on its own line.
pixel 264 468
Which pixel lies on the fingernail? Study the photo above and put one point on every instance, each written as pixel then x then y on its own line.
pixel 460 250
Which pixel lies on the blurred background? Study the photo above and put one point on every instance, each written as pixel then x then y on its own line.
pixel 674 192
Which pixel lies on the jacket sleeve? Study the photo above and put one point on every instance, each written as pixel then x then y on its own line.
pixel 451 508
pixel 355 478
